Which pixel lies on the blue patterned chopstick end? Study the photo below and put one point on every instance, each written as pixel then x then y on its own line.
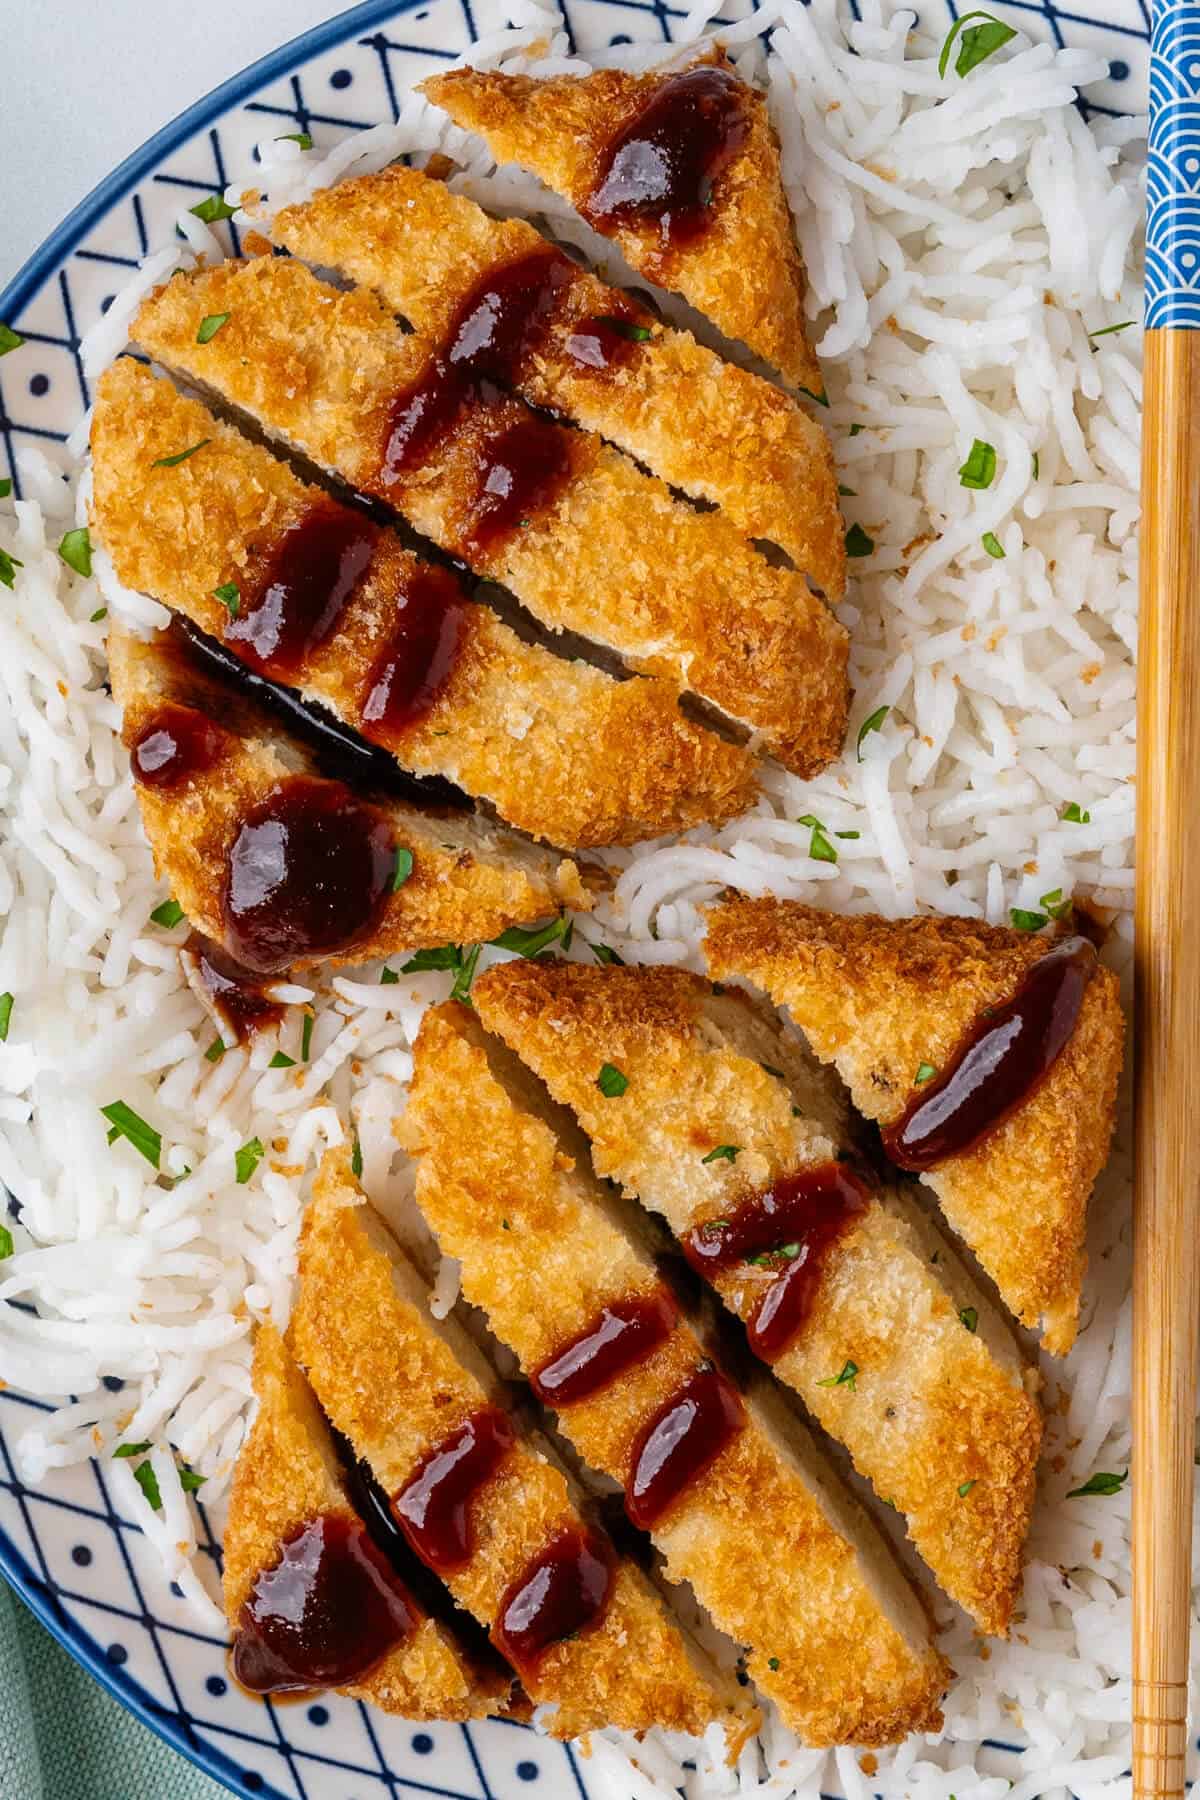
pixel 1173 190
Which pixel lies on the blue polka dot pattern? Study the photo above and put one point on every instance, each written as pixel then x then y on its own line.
pixel 81 1556
pixel 422 1743
pixel 527 1771
pixel 318 1715
pixel 217 1685
pixel 117 1654
pixel 341 78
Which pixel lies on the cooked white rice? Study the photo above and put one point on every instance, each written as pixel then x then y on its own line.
pixel 965 241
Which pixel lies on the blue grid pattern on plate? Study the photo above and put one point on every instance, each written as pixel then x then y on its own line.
pixel 84 1569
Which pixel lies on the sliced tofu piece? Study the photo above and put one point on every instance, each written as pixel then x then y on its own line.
pixel 915 1374
pixel 285 868
pixel 593 354
pixel 885 999
pixel 288 1478
pixel 741 266
pixel 581 535
pixel 782 1559
pixel 401 1387
pixel 390 644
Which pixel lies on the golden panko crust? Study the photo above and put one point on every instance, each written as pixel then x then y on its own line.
pixel 704 425
pixel 546 741
pixel 744 271
pixel 613 555
pixel 879 997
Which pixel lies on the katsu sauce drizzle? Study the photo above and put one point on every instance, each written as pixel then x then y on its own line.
pixel 239 998
pixel 313 571
pixel 680 1442
pixel 660 169
pixel 433 1507
pixel 563 1591
pixel 1006 1056
pixel 411 668
pixel 175 744
pixel 787 1230
pixel 329 1609
pixel 624 1333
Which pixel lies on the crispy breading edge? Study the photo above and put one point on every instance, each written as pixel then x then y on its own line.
pixel 545 740
pixel 286 1475
pixel 395 1386
pixel 678 593
pixel 878 997
pixel 744 271
pixel 705 425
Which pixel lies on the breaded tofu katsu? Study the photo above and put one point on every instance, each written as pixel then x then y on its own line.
pixel 586 351
pixel 727 1482
pixel 583 537
pixel 702 1107
pixel 318 597
pixel 481 1502
pixel 284 867
pixel 681 169
pixel 990 1058
pixel 312 1601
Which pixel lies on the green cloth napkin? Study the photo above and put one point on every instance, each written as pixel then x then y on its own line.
pixel 63 1738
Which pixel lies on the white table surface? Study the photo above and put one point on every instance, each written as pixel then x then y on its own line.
pixel 87 81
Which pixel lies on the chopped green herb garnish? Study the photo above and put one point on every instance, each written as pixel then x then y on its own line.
pixel 772 1070
pixel 1109 330
pixel 1074 814
pixel 306 1036
pixel 442 956
pixel 212 208
pixel 7 565
pixel 847 493
pixel 189 1481
pixel 124 1450
pixel 1024 920
pixel 247 1160
pixel 296 137
pixel 604 954
pixel 964 1488
pixel 76 550
pixel 925 1072
pixel 819 846
pixel 356 1159
pixel 6 1006
pixel 147 1480
pixel 969 1317
pixel 856 428
pixel 822 399
pixel 723 1153
pixel 504 1225
pixel 611 1082
pixel 772 1662
pixel 1100 1483
pixel 168 914
pixel 9 339
pixel 388 977
pixel 847 834
pixel 874 723
pixel 215 1051
pixel 858 543
pixel 461 990
pixel 978 42
pixel 281 1060
pixel 636 334
pixel 5 487
pixel 768 1259
pixel 531 943
pixel 101 612
pixel 210 326
pixel 993 546
pixel 845 1379
pixel 1036 466
pixel 402 868
pixel 979 470
pixel 1054 903
pixel 125 1123
pixel 230 597
pixel 6 1243
pixel 173 462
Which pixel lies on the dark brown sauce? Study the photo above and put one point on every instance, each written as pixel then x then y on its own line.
pixel 433 1507
pixel 176 743
pixel 787 1229
pixel 624 1333
pixel 682 1440
pixel 1007 1054
pixel 314 569
pixel 520 473
pixel 412 667
pixel 237 995
pixel 309 872
pixel 563 1591
pixel 329 1610
pixel 660 168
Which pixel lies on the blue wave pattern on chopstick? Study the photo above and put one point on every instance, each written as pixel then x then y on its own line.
pixel 1173 186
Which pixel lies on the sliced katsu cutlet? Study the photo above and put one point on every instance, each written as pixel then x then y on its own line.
pixel 479 1500
pixel 582 536
pixel 1011 1135
pixel 300 1566
pixel 286 868
pixel 730 1486
pixel 568 342
pixel 721 1122
pixel 680 168
pixel 318 597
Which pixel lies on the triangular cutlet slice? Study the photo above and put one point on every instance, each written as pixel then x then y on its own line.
pixel 286 868
pixel 479 1500
pixel 782 1559
pixel 322 599
pixel 308 1595
pixel 680 168
pixel 893 1003
pixel 567 341
pixel 725 1127
pixel 588 541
